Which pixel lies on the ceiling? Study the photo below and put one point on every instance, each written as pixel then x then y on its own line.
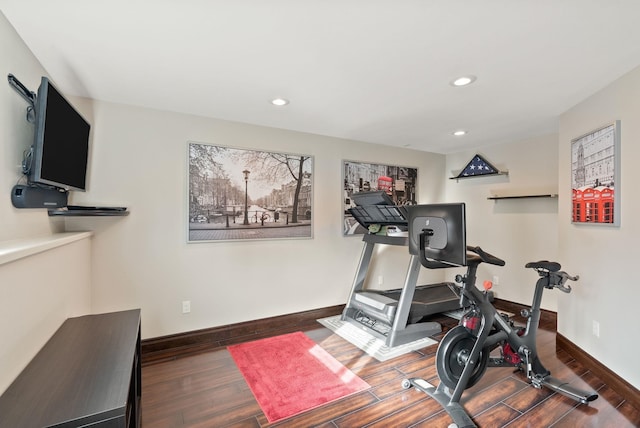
pixel 368 70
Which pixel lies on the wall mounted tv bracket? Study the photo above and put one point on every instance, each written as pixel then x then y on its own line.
pixel 31 98
pixel 25 93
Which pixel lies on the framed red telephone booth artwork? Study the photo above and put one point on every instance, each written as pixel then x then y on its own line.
pixel 595 176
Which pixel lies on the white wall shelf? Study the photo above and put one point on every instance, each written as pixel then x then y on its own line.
pixel 88 213
pixel 21 248
pixel 541 195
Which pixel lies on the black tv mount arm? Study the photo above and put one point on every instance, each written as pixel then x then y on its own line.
pixel 28 95
pixel 25 93
pixel 424 242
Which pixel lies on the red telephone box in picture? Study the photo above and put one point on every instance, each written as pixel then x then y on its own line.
pixel 605 213
pixel 596 207
pixel 578 206
pixel 385 183
pixel 588 200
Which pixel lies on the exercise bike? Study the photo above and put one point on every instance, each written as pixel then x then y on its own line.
pixel 465 351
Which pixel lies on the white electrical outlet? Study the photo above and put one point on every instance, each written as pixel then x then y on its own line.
pixel 380 280
pixel 186 306
pixel 596 328
pixel 496 280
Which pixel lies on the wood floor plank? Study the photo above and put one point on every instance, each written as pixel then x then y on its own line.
pixel 325 413
pixel 418 367
pixel 440 419
pixel 592 381
pixel 497 416
pixel 173 420
pixel 527 399
pixel 379 379
pixel 373 412
pixel 598 413
pixel 488 397
pixel 546 413
pixel 247 423
pixel 492 376
pixel 629 413
pixel 213 415
pixel 389 388
pixel 409 415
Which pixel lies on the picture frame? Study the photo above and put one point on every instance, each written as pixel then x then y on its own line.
pixel 595 176
pixel 399 182
pixel 248 194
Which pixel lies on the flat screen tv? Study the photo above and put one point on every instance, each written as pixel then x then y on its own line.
pixel 443 229
pixel 60 150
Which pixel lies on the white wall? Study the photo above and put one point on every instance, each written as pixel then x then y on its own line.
pixel 605 257
pixel 143 260
pixel 39 292
pixel 516 230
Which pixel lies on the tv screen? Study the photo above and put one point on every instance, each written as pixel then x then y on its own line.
pixel 61 146
pixel 445 229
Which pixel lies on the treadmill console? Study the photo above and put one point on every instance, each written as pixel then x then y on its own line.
pixel 377 208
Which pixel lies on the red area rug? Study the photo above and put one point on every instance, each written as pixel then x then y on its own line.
pixel 291 374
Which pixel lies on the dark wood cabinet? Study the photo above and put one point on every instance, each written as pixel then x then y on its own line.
pixel 87 375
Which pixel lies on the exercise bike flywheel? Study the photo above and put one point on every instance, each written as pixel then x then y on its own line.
pixel 453 354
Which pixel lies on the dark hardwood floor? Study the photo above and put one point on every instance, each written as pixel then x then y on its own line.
pixel 207 390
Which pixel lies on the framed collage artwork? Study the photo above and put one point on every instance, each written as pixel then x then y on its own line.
pixel 398 182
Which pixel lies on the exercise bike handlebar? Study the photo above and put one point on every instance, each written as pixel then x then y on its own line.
pixel 551 270
pixel 558 279
pixel 486 257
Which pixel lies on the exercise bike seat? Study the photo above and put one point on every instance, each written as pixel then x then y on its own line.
pixel 544 264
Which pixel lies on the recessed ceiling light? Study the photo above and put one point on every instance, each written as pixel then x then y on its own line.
pixel 463 80
pixel 460 133
pixel 279 102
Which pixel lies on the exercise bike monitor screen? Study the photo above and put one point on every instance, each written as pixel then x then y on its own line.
pixel 445 232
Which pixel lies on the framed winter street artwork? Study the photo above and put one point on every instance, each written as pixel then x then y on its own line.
pixel 240 194
pixel 398 182
pixel 595 176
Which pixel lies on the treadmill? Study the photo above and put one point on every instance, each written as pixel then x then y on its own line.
pixel 393 316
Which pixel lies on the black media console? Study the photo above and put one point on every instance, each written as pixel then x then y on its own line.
pixel 87 375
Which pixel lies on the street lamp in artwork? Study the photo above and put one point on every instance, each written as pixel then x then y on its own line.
pixel 246 180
